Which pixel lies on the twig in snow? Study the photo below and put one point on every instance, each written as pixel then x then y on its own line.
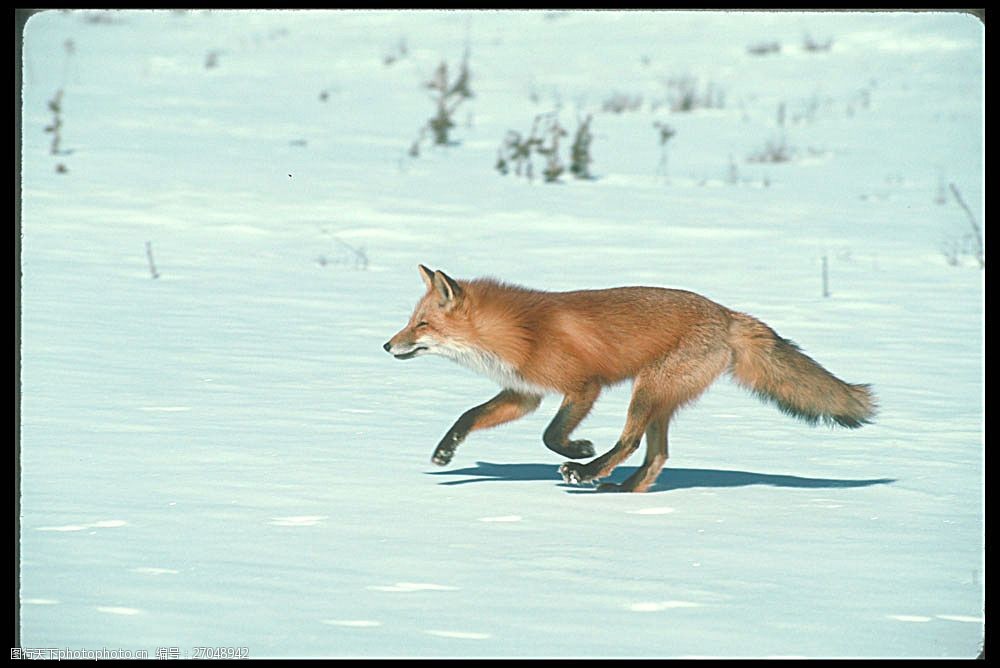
pixel 152 265
pixel 55 106
pixel 359 254
pixel 977 233
pixel 826 278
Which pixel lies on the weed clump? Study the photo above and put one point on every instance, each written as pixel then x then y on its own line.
pixel 517 150
pixel 764 48
pixel 684 94
pixel 398 52
pixel 774 151
pixel 447 95
pixel 619 103
pixel 579 152
pixel 812 46
pixel 665 133
pixel 55 127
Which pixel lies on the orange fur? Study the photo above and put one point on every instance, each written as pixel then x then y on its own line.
pixel 673 343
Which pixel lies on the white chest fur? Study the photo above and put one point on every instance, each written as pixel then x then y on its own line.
pixel 491 366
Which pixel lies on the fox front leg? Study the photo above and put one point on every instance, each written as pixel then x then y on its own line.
pixel 504 407
pixel 574 408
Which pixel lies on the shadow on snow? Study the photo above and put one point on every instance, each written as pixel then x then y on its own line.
pixel 670 478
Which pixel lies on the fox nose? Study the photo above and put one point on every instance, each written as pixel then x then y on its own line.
pixel 387 346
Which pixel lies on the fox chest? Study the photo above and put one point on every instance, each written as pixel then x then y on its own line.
pixel 493 367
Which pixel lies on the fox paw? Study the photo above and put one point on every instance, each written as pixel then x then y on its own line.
pixel 572 449
pixel 442 457
pixel 579 449
pixel 574 473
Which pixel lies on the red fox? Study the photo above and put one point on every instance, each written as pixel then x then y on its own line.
pixel 673 343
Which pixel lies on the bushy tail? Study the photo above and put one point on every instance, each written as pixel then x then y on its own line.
pixel 776 370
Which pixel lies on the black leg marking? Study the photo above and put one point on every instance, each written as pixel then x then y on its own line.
pixel 557 433
pixel 506 406
pixel 446 448
pixel 574 449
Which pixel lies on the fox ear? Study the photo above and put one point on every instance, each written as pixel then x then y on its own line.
pixel 427 275
pixel 448 290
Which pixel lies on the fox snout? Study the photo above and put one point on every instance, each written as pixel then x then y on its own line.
pixel 403 350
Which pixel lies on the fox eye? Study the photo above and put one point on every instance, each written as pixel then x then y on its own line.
pixel 422 323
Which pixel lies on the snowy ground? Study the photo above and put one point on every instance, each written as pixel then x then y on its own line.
pixel 225 457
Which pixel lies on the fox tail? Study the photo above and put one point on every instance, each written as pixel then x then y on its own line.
pixel 777 371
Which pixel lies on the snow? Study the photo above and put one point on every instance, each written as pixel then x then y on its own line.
pixel 225 457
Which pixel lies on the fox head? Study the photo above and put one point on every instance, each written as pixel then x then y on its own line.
pixel 437 316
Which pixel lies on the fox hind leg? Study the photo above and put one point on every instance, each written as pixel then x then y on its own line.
pixel 676 380
pixel 656 457
pixel 508 405
pixel 640 412
pixel 574 408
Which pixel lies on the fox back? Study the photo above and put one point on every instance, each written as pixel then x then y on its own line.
pixel 554 341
